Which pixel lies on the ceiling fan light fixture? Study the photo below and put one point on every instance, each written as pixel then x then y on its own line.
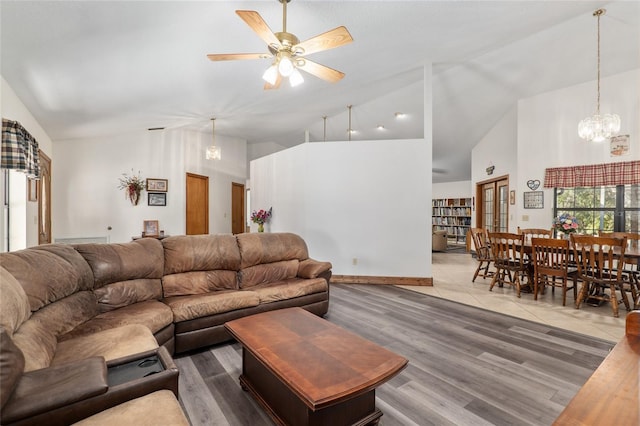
pixel 295 79
pixel 285 65
pixel 271 74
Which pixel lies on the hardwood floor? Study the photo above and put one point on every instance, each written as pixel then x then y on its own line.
pixel 467 366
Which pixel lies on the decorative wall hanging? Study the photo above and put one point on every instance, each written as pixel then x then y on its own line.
pixel 490 169
pixel 620 146
pixel 534 200
pixel 533 184
pixel 512 197
pixel 132 186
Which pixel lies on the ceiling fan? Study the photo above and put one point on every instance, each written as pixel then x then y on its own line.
pixel 288 53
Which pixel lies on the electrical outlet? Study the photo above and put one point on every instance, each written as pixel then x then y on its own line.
pixel 354 261
pixel 525 217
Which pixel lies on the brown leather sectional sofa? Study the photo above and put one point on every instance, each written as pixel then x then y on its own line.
pixel 88 328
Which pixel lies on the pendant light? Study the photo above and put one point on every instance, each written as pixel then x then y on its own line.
pixel 213 151
pixel 598 127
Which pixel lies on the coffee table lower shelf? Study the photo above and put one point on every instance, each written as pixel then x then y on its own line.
pixel 286 408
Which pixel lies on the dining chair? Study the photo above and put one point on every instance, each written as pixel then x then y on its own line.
pixel 530 233
pixel 631 271
pixel 600 263
pixel 509 260
pixel 551 267
pixel 483 253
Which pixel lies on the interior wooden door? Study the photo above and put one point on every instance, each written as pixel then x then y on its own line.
pixel 237 208
pixel 197 200
pixel 493 205
pixel 44 200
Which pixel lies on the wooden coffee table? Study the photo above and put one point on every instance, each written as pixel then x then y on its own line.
pixel 305 370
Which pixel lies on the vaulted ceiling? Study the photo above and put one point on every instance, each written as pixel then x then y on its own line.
pixel 95 68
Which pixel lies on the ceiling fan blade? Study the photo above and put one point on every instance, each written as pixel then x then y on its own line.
pixel 321 71
pixel 276 85
pixel 325 41
pixel 237 56
pixel 257 24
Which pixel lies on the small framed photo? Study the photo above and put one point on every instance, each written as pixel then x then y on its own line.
pixel 157 185
pixel 157 199
pixel 32 189
pixel 150 228
pixel 512 197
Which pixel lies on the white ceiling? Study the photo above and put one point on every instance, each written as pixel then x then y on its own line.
pixel 93 68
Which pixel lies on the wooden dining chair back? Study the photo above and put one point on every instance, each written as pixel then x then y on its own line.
pixel 631 272
pixel 551 267
pixel 509 260
pixel 530 233
pixel 483 253
pixel 600 263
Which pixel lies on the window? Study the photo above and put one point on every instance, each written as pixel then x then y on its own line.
pixel 607 208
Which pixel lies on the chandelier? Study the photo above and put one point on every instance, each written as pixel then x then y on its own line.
pixel 213 151
pixel 598 127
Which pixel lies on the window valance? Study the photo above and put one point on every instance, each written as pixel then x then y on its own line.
pixel 19 149
pixel 624 173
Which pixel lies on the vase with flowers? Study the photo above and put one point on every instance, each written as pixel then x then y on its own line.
pixel 566 224
pixel 261 217
pixel 132 186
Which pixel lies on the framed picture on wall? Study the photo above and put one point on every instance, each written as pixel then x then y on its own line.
pixel 534 200
pixel 512 197
pixel 157 185
pixel 157 199
pixel 150 228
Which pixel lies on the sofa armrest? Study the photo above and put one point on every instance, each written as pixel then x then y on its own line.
pixel 310 268
pixel 43 390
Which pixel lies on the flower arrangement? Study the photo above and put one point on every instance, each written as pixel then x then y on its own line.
pixel 132 186
pixel 261 217
pixel 566 223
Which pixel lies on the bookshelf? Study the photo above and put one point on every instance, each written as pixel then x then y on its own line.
pixel 452 215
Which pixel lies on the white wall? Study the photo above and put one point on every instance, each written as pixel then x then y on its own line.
pixel 368 200
pixel 86 198
pixel 499 149
pixel 23 214
pixel 548 134
pixel 460 189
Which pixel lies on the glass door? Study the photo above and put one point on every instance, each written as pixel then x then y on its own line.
pixel 493 205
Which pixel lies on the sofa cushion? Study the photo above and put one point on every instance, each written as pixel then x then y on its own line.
pixel 125 273
pixel 157 408
pixel 188 253
pixel 259 248
pixel 14 304
pixel 199 282
pixel 37 337
pixel 283 290
pixel 152 314
pixel 60 272
pixel 110 344
pixel 190 307
pixel 123 293
pixel 268 273
pixel 11 366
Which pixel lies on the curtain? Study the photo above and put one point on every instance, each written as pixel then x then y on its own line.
pixel 19 149
pixel 624 173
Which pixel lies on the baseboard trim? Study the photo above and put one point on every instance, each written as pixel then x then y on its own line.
pixel 366 279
